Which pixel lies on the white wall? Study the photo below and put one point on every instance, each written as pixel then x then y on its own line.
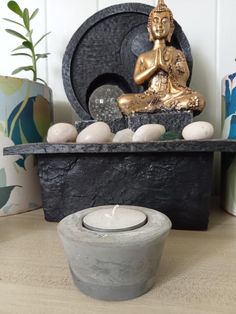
pixel 209 25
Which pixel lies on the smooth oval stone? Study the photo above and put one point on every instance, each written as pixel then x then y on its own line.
pixel 98 132
pixel 199 130
pixel 62 133
pixel 149 133
pixel 123 136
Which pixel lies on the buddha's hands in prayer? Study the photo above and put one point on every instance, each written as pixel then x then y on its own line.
pixel 162 60
pixel 148 65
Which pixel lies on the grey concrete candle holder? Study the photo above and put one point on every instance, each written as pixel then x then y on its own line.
pixel 114 265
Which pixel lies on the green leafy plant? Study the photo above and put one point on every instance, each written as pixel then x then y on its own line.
pixel 28 43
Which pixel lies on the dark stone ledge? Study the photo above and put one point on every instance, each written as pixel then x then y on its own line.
pixel 215 145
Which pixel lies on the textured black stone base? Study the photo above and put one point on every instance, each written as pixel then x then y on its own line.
pixel 227 162
pixel 178 184
pixel 173 121
pixel 173 177
pixel 115 125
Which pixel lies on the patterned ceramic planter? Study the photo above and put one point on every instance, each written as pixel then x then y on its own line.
pixel 229 132
pixel 229 106
pixel 25 116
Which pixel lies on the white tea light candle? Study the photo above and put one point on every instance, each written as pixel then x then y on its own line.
pixel 116 218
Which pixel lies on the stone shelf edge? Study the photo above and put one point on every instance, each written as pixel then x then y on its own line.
pixel 215 145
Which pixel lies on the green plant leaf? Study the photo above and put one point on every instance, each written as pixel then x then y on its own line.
pixel 19 47
pixel 26 68
pixel 41 55
pixel 13 6
pixel 41 80
pixel 21 54
pixel 27 44
pixel 34 14
pixel 41 38
pixel 8 20
pixel 14 33
pixel 171 135
pixel 29 33
pixel 26 18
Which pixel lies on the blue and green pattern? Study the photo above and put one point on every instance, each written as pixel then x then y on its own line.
pixel 229 132
pixel 229 107
pixel 25 116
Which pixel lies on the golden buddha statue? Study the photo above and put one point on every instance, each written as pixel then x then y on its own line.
pixel 166 71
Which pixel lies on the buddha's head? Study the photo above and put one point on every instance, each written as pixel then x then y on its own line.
pixel 161 22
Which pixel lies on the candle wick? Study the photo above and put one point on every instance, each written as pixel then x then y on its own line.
pixel 114 210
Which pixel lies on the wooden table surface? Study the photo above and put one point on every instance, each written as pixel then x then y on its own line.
pixel 197 272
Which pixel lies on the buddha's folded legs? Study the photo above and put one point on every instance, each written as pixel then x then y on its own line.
pixel 186 101
pixel 131 103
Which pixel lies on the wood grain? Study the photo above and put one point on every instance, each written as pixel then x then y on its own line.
pixel 197 272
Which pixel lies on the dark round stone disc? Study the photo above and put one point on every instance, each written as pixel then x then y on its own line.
pixel 104 50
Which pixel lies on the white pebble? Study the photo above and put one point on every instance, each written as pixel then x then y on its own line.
pixel 98 132
pixel 123 136
pixel 149 133
pixel 62 133
pixel 199 130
